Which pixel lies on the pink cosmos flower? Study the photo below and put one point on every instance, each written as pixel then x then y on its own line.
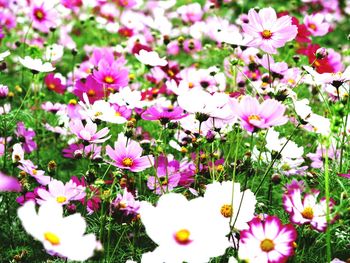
pixel 306 210
pixel 26 136
pixel 346 175
pixel 61 193
pixel 267 241
pixel 126 202
pixel 91 87
pixel 315 24
pixel 112 75
pixel 254 115
pixel 168 174
pixel 268 31
pixel 9 184
pixel 163 114
pixel 76 151
pixel 88 133
pixel 43 16
pixel 126 3
pixel 127 155
pixel 31 169
pixel 317 158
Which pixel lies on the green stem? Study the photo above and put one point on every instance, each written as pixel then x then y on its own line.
pixel 328 231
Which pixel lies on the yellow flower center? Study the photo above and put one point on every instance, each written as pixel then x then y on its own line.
pixel 39 14
pixel 291 81
pixel 127 162
pixel 117 113
pixel 226 210
pixel 52 86
pixel 52 238
pixel 308 213
pixel 72 102
pixel 109 80
pixel 220 168
pixel 313 26
pixel 61 199
pixel 182 237
pixel 254 118
pixel 266 34
pixel 91 93
pixel 34 171
pixel 122 205
pixel 267 245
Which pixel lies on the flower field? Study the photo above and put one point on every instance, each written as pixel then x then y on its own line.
pixel 175 131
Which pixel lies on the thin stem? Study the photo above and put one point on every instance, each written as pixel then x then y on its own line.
pixel 274 160
pixel 328 231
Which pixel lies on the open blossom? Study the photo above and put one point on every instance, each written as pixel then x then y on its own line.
pixel 267 241
pixel 237 211
pixel 268 31
pixel 88 133
pixel 36 64
pixel 62 236
pixel 150 58
pixel 43 15
pixel 126 202
pixel 9 184
pixel 127 155
pixel 163 114
pixel 54 84
pixel 316 25
pixel 254 115
pixel 61 193
pixel 31 169
pixel 178 227
pixel 91 87
pixel 27 137
pixel 306 210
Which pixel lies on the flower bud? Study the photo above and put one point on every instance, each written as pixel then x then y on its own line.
pixel 321 53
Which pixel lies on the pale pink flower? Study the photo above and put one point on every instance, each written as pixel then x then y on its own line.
pixel 268 31
pixel 88 133
pixel 316 25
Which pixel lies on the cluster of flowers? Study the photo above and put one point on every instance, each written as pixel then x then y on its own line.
pixel 193 107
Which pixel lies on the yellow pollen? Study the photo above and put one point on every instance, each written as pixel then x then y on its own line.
pixel 109 80
pixel 190 85
pixel 317 63
pixel 72 102
pixel 226 210
pixel 39 15
pixel 52 238
pixel 34 171
pixel 122 205
pixel 291 81
pixel 128 162
pixel 182 237
pixel 313 26
pixel 267 245
pixel 61 199
pixel 171 73
pixel 98 114
pixel 51 86
pixel 117 113
pixel 266 34
pixel 308 213
pixel 254 118
pixel 91 93
pixel 220 167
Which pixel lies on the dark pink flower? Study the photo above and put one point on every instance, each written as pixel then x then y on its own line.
pixel 91 87
pixel 9 184
pixel 26 136
pixel 54 84
pixel 163 114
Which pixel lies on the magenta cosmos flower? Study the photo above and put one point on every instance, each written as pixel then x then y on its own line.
pixel 112 75
pixel 127 155
pixel 27 137
pixel 88 133
pixel 268 31
pixel 254 115
pixel 43 16
pixel 91 87
pixel 54 84
pixel 267 241
pixel 163 114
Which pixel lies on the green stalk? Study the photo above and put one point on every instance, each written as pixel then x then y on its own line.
pixel 328 231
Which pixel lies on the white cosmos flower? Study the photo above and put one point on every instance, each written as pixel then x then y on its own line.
pixel 151 58
pixel 183 230
pixel 36 64
pixel 4 55
pixel 127 97
pixel 54 52
pixel 218 200
pixel 60 235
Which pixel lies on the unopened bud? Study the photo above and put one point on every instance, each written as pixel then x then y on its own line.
pixel 321 53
